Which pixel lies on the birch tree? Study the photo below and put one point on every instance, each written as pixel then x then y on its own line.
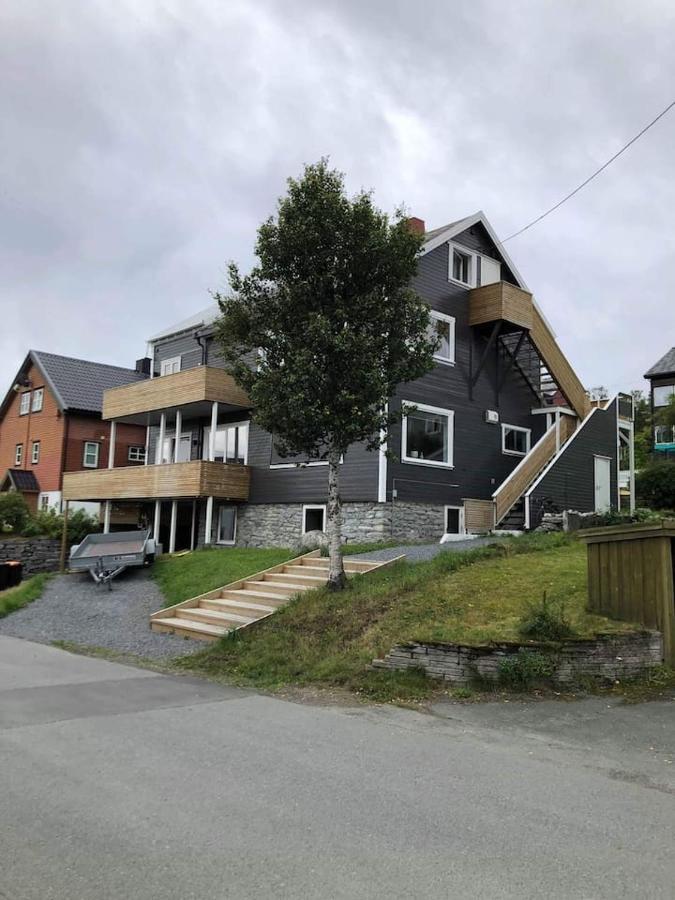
pixel 325 326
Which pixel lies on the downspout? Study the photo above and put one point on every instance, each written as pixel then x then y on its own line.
pixel 201 340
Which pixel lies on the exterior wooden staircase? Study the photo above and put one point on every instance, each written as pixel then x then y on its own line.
pixel 241 603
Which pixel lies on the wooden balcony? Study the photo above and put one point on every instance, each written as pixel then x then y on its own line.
pixel 167 481
pixel 203 384
pixel 500 302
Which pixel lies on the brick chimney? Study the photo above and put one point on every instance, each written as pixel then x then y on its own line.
pixel 416 225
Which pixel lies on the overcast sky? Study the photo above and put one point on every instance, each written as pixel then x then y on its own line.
pixel 143 142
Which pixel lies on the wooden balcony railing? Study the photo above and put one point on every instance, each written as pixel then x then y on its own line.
pixel 503 302
pixel 204 383
pixel 513 487
pixel 166 481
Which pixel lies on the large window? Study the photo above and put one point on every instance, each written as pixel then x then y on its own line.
pixel 313 518
pixel 35 453
pixel 442 328
pixel 663 393
pixel 170 366
pixel 231 443
pixel 227 525
pixel 38 399
pixel 515 440
pixel 24 407
pixel 90 456
pixel 427 436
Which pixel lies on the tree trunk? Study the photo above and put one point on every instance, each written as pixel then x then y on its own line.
pixel 337 579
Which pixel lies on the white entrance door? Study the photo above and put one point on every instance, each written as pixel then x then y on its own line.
pixel 603 500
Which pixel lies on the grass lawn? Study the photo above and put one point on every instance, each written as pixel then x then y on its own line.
pixel 183 577
pixel 23 594
pixel 476 596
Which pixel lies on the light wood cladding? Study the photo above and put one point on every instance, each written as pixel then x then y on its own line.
pixel 167 481
pixel 500 302
pixel 513 487
pixel 169 391
pixel 479 516
pixel 558 365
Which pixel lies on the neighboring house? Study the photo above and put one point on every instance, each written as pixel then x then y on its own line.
pixel 661 379
pixel 50 423
pixel 502 428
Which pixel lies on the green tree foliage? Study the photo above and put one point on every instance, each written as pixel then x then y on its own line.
pixel 643 432
pixel 326 326
pixel 655 486
pixel 14 513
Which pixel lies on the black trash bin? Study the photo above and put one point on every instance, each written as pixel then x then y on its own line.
pixel 15 573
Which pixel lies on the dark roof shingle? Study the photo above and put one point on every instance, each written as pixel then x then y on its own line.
pixel 665 366
pixel 78 383
pixel 21 480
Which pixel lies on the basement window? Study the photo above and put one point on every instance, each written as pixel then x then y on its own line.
pixel 313 518
pixel 454 520
pixel 427 436
pixel 516 440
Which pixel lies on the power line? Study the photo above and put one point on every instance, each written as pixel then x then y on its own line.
pixel 594 175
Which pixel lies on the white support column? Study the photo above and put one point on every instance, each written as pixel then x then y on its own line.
pixel 106 517
pixel 111 448
pixel 179 428
pixel 147 446
pixel 631 456
pixel 212 434
pixel 557 432
pixel 172 533
pixel 208 526
pixel 194 525
pixel 160 439
pixel 158 519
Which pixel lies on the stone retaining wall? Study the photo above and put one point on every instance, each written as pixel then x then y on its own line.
pixel 35 554
pixel 608 658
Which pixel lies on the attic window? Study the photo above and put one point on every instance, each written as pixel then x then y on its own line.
pixel 463 266
pixel 24 408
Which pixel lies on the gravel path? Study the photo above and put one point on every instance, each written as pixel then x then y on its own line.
pixel 73 608
pixel 419 552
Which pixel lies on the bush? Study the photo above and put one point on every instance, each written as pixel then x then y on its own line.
pixel 655 486
pixel 49 523
pixel 524 668
pixel 14 513
pixel 545 620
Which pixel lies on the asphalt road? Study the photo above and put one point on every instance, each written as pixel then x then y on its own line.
pixel 120 783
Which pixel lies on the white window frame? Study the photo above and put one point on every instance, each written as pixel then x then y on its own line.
pixel 35 456
pixel 24 404
pixel 18 454
pixel 436 410
pixel 473 266
pixel 225 425
pixel 44 503
pixel 660 387
pixel 236 519
pixel 38 399
pixel 527 431
pixel 312 506
pixel 168 366
pixel 136 457
pixel 442 317
pixel 85 464
pixel 462 522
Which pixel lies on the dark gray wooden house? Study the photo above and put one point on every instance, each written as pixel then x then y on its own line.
pixel 502 428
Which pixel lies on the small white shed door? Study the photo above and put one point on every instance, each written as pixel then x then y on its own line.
pixel 603 500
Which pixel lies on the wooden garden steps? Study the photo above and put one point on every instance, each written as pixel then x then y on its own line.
pixel 244 602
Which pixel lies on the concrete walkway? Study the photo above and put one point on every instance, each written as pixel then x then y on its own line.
pixel 420 552
pixel 119 783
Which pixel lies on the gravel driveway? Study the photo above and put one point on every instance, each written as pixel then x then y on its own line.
pixel 73 608
pixel 419 552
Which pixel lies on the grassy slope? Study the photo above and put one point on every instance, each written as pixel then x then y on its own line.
pixel 330 638
pixel 29 590
pixel 182 577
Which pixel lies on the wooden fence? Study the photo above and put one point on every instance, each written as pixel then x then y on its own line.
pixel 631 576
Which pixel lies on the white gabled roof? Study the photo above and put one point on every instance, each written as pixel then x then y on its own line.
pixel 444 234
pixel 198 320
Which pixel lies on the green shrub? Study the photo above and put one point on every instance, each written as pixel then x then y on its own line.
pixel 524 668
pixel 14 513
pixel 545 620
pixel 48 523
pixel 655 486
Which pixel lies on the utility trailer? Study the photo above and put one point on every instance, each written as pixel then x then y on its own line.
pixel 107 555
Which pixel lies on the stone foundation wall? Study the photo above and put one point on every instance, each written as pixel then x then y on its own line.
pixel 280 525
pixel 35 554
pixel 608 658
